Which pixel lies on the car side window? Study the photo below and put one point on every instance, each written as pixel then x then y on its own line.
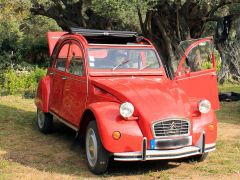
pixel 198 59
pixel 76 65
pixel 62 57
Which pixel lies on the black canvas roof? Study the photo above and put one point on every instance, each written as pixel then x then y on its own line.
pixel 108 36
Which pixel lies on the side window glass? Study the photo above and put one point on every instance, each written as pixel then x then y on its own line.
pixel 53 56
pixel 199 58
pixel 76 65
pixel 62 58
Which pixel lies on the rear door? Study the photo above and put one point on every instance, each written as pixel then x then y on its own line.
pixel 196 73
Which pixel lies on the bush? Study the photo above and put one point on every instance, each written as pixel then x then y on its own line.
pixel 22 82
pixel 208 65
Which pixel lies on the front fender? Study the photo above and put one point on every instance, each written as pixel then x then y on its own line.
pixel 43 92
pixel 208 124
pixel 109 120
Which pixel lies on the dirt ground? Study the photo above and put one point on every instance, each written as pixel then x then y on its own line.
pixel 25 153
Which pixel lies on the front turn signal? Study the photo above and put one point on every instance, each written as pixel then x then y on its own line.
pixel 116 135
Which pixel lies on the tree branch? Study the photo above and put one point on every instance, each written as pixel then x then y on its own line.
pixel 221 4
pixel 178 23
pixel 148 21
pixel 140 19
pixel 165 37
pixel 65 2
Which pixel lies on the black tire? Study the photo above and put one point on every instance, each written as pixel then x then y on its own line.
pixel 44 122
pixel 198 158
pixel 98 164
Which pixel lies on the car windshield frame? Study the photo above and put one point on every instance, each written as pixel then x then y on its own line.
pixel 117 70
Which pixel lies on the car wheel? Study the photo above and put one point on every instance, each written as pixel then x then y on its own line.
pixel 44 122
pixel 97 156
pixel 198 158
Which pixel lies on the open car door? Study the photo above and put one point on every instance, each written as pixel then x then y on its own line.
pixel 196 73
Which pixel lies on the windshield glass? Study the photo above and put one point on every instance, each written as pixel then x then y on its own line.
pixel 116 58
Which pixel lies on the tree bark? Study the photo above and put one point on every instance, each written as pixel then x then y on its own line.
pixel 230 61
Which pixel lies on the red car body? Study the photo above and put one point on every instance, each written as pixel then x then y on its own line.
pixel 97 94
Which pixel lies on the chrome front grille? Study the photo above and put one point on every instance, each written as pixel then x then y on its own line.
pixel 171 127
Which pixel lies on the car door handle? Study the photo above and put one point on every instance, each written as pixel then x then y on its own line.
pixel 51 73
pixel 64 77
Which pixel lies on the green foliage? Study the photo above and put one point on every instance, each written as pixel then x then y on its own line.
pixel 125 11
pixel 21 82
pixel 22 35
pixel 208 64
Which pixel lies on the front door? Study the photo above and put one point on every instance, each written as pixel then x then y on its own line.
pixel 75 89
pixel 58 74
pixel 196 73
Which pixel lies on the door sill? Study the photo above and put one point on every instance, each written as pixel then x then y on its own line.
pixel 64 122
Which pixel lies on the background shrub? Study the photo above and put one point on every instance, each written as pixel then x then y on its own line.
pixel 21 81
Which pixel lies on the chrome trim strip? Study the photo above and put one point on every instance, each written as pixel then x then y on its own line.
pixel 210 147
pixel 181 119
pixel 64 122
pixel 195 76
pixel 163 154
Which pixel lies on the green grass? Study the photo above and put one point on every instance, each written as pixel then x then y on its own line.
pixel 26 153
pixel 229 88
pixel 230 112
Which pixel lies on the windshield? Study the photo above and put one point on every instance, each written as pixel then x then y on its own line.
pixel 116 58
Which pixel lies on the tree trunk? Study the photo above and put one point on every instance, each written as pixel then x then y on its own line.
pixel 230 61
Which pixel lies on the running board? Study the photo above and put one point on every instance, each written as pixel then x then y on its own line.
pixel 64 122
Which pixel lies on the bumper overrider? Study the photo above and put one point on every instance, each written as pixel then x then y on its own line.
pixel 183 152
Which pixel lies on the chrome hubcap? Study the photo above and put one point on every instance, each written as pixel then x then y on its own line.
pixel 91 147
pixel 41 119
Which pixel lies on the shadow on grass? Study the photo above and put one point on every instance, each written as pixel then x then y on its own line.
pixel 25 145
pixel 229 113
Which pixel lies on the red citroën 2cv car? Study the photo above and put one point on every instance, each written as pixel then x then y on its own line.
pixel 113 90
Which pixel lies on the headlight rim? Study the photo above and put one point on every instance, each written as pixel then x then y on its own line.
pixel 131 108
pixel 200 104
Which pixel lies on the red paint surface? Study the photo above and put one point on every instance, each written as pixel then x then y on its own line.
pixel 53 38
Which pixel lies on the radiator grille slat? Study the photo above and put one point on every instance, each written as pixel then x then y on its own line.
pixel 171 127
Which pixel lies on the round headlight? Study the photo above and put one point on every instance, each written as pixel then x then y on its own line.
pixel 126 110
pixel 204 106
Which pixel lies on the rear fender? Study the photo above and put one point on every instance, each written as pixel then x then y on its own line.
pixel 43 93
pixel 109 120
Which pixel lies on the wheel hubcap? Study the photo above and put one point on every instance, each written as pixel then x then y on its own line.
pixel 41 119
pixel 91 147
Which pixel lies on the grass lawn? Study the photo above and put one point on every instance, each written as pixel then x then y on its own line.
pixel 25 153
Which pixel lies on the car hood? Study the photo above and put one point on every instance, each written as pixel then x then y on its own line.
pixel 154 99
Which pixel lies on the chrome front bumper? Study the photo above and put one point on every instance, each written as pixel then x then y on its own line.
pixel 163 154
pixel 145 154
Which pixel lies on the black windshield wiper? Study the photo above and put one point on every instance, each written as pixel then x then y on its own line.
pixel 144 67
pixel 120 64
